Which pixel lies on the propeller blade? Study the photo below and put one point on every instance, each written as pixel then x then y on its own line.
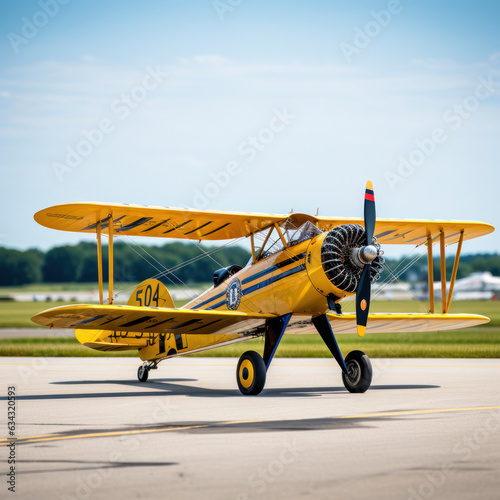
pixel 363 300
pixel 364 287
pixel 370 215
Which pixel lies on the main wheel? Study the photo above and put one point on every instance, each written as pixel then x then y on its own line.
pixel 251 373
pixel 359 372
pixel 142 373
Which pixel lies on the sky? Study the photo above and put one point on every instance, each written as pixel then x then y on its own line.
pixel 258 106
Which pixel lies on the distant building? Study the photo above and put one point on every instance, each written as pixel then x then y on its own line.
pixel 477 285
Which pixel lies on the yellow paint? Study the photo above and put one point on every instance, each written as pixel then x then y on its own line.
pixel 151 293
pixel 71 315
pixel 99 263
pixel 282 238
pixel 289 281
pixel 264 242
pixel 77 216
pixel 58 437
pixel 419 412
pixel 391 323
pixel 430 274
pixel 361 330
pixel 315 270
pixel 110 259
pixel 454 272
pixel 104 434
pixel 249 380
pixel 442 256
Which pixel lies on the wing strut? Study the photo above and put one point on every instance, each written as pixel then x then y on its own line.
pixel 110 258
pixel 455 270
pixel 442 254
pixel 99 263
pixel 445 297
pixel 430 272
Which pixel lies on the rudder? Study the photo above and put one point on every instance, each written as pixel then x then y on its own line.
pixel 151 293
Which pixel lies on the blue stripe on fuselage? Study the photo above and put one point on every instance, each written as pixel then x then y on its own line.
pixel 265 283
pixel 253 277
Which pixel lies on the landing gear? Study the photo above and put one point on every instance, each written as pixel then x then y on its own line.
pixel 143 372
pixel 252 367
pixel 356 368
pixel 359 372
pixel 251 373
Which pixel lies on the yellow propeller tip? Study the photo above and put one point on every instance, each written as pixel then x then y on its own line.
pixel 369 185
pixel 361 330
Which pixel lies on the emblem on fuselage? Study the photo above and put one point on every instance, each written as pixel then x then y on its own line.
pixel 233 294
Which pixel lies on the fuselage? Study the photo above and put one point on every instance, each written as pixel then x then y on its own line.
pixel 278 284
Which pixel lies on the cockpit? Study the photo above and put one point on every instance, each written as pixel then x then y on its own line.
pixel 265 243
pixel 282 237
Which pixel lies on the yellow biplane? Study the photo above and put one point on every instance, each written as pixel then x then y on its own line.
pixel 294 281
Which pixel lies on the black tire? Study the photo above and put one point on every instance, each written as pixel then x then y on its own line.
pixel 360 372
pixel 251 373
pixel 142 373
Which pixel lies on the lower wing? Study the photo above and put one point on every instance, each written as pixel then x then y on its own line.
pixel 193 321
pixel 151 319
pixel 387 322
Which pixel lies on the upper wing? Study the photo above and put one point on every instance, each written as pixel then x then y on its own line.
pixel 139 220
pixel 163 222
pixel 414 231
pixel 149 319
pixel 391 322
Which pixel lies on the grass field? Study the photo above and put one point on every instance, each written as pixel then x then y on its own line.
pixel 18 314
pixel 483 341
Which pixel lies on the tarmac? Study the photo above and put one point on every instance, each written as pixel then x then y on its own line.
pixel 86 428
pixel 36 333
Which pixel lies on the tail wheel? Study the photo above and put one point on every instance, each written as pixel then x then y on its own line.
pixel 142 373
pixel 359 372
pixel 251 373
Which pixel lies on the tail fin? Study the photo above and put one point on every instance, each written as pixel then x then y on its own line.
pixel 151 293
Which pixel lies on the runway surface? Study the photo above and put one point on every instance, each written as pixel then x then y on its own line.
pixel 36 333
pixel 86 428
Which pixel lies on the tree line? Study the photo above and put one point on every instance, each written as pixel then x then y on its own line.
pixel 133 263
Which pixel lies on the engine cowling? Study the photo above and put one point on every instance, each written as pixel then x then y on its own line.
pixel 335 260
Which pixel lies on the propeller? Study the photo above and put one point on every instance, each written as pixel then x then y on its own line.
pixel 366 255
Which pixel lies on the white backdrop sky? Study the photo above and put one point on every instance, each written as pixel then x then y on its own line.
pixel 359 104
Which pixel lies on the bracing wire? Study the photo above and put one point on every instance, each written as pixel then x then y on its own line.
pixel 142 257
pixel 166 271
pixel 161 273
pixel 395 277
pixel 397 272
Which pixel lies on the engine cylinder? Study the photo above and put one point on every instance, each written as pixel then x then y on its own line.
pixel 334 264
